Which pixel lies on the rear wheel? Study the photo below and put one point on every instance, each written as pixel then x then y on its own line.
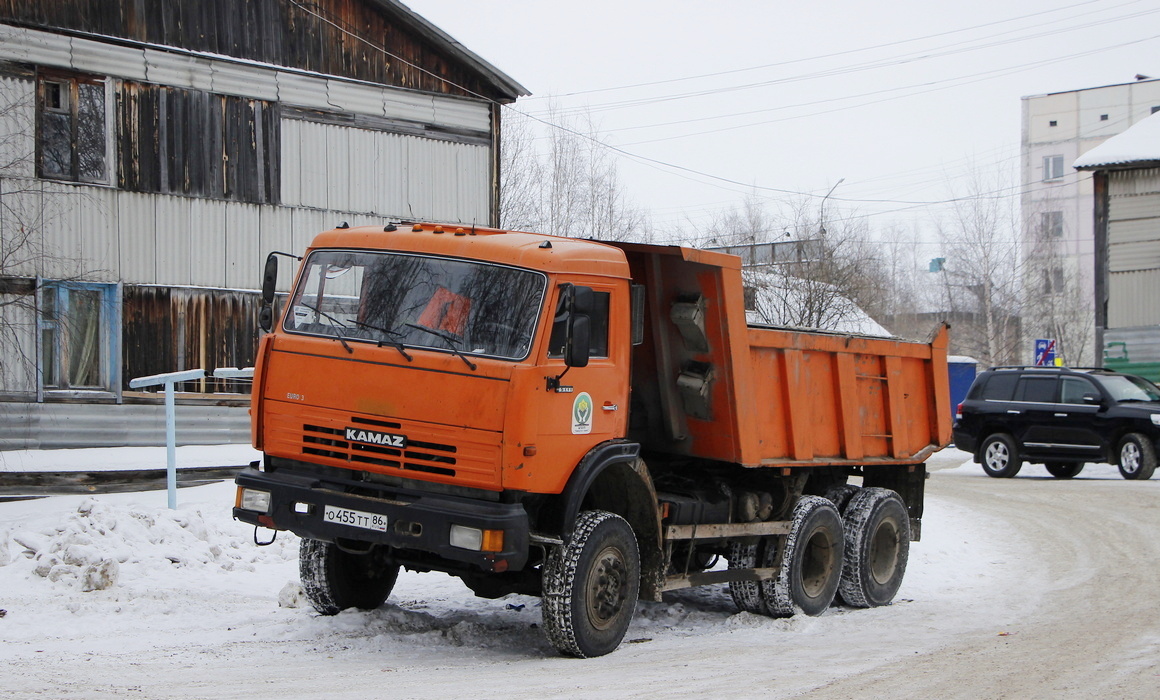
pixel 1064 470
pixel 999 457
pixel 877 548
pixel 811 564
pixel 1137 457
pixel 335 580
pixel 591 586
pixel 746 594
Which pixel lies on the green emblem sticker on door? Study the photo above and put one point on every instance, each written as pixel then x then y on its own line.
pixel 582 414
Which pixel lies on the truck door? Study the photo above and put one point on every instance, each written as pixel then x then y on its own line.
pixel 1030 414
pixel 1078 424
pixel 589 405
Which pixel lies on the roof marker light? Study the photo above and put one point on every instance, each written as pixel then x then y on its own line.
pixel 417 227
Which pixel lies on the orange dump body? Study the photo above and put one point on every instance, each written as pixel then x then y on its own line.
pixel 708 385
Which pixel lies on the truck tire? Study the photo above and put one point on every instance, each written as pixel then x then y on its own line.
pixel 999 457
pixel 747 594
pixel 811 565
pixel 1137 457
pixel 1064 470
pixel 591 585
pixel 877 548
pixel 335 580
pixel 840 495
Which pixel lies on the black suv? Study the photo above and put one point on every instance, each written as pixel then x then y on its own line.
pixel 1061 417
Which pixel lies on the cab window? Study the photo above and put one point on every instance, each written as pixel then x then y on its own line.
pixel 1073 389
pixel 598 322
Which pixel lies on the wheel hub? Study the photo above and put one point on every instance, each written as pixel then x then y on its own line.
pixel 607 588
pixel 1130 458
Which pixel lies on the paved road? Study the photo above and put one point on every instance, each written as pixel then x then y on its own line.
pixel 1095 632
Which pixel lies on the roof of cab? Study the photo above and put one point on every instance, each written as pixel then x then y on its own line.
pixel 534 251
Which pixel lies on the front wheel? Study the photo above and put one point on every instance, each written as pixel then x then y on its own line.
pixel 591 586
pixel 999 457
pixel 1064 470
pixel 335 580
pixel 1137 457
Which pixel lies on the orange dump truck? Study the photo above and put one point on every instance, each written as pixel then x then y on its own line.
pixel 593 423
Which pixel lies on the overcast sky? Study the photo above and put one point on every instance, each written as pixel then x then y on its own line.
pixel 900 100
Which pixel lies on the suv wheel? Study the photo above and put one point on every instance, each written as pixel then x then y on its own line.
pixel 1064 470
pixel 999 457
pixel 1137 457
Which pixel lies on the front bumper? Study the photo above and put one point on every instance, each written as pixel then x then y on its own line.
pixel 416 521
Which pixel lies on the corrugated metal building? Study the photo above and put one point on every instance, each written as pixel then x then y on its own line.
pixel 1126 177
pixel 152 153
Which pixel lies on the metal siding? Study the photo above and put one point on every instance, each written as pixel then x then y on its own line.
pixel 17 374
pixel 364 193
pixel 22 205
pixel 406 105
pixel 30 46
pixel 338 158
pixel 99 240
pixel 291 161
pixel 243 257
pixel 462 114
pixel 17 127
pixel 244 81
pixel 1135 181
pixel 63 248
pixel 302 90
pixel 305 224
pixel 108 59
pixel 352 97
pixel 137 232
pixel 33 426
pixel 1125 257
pixel 1139 206
pixel 207 238
pixel 173 240
pixel 275 232
pixel 313 173
pixel 1129 298
pixel 392 152
pixel 1143 343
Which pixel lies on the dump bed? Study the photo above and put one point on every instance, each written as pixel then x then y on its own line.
pixel 706 384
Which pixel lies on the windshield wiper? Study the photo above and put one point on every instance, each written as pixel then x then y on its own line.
pixel 339 324
pixel 335 324
pixel 446 338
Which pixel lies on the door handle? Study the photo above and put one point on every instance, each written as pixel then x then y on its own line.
pixel 1013 412
pixel 609 406
pixel 1061 415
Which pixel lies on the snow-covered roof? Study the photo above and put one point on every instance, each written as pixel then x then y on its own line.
pixel 1139 146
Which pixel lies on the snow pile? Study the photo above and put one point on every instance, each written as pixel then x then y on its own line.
pixel 99 542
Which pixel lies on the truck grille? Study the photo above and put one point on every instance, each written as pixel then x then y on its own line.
pixel 418 456
pixel 444 453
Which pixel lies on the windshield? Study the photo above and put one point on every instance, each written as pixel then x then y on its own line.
pixel 1126 387
pixel 418 301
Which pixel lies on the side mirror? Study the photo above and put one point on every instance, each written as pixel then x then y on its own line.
pixel 269 278
pixel 269 282
pixel 579 304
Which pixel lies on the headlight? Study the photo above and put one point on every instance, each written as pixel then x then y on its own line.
pixel 475 539
pixel 252 499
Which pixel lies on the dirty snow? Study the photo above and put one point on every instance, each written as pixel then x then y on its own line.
pixel 110 593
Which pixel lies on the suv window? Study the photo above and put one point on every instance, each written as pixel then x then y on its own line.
pixel 1036 389
pixel 1073 388
pixel 1000 387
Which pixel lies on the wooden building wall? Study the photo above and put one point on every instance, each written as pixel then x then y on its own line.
pixel 305 35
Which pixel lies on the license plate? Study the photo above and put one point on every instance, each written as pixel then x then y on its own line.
pixel 355 518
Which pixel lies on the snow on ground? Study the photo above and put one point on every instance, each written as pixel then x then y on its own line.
pixel 113 579
pixel 118 458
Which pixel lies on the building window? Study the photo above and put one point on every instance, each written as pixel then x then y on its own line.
pixel 1052 167
pixel 1053 281
pixel 1051 224
pixel 1103 117
pixel 75 325
pixel 72 129
pixel 1053 123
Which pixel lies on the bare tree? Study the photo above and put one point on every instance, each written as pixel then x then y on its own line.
pixel 562 179
pixel 981 275
pixel 1057 298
